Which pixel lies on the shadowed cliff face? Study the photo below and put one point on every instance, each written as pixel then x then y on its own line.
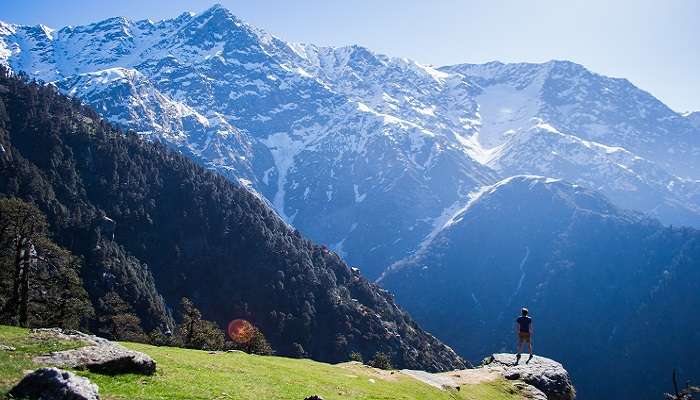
pixel 609 291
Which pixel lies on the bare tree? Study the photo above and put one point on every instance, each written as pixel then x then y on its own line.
pixel 683 394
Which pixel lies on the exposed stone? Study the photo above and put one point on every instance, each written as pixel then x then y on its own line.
pixel 440 381
pixel 107 226
pixel 529 392
pixel 547 375
pixel 100 355
pixel 54 384
pixel 538 379
pixel 4 347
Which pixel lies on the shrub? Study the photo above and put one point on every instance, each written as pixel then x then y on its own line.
pixel 381 360
pixel 258 344
pixel 196 333
pixel 355 356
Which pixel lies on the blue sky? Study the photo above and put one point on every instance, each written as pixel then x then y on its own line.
pixel 655 44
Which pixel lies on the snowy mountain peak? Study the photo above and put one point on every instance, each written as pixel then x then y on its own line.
pixel 218 11
pixel 346 142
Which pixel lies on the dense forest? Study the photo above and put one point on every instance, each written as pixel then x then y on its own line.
pixel 146 227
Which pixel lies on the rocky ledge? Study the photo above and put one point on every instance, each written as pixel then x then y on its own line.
pixel 546 375
pixel 538 378
pixel 98 355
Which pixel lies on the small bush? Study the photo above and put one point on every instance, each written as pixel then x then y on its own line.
pixel 381 360
pixel 159 338
pixel 355 356
pixel 258 344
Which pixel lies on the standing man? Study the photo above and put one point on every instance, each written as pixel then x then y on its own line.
pixel 523 328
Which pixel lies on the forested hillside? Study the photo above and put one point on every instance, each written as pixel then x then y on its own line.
pixel 147 221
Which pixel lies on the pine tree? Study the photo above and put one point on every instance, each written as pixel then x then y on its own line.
pixel 118 321
pixel 196 333
pixel 44 288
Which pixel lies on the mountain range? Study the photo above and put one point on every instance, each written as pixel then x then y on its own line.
pixel 150 227
pixel 365 152
pixel 468 190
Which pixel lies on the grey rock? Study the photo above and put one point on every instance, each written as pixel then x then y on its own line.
pixel 4 347
pixel 54 384
pixel 107 226
pixel 529 392
pixel 100 355
pixel 547 375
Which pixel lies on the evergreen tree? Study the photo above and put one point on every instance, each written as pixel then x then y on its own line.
pixel 196 333
pixel 257 344
pixel 43 287
pixel 381 360
pixel 117 320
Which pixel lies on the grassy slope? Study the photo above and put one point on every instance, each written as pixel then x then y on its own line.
pixel 14 363
pixel 193 374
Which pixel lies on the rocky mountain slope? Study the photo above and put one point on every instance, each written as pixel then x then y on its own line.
pixel 612 293
pixel 179 230
pixel 365 152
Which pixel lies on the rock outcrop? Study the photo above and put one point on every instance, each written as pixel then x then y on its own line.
pixel 54 384
pixel 4 347
pixel 537 379
pixel 546 375
pixel 99 355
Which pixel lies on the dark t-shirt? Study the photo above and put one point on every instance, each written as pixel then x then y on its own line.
pixel 524 323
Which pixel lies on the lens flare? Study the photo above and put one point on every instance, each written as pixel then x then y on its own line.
pixel 240 331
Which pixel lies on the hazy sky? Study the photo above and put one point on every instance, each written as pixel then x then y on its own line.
pixel 655 44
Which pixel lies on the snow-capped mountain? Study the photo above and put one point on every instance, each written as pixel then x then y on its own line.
pixel 365 152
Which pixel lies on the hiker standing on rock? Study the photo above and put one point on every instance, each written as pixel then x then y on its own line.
pixel 523 328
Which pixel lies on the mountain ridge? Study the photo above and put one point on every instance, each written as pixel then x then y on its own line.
pixel 582 265
pixel 311 128
pixel 331 135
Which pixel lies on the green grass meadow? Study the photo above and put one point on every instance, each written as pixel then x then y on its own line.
pixel 196 374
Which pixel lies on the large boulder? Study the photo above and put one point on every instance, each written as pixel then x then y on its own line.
pixel 99 355
pixel 54 384
pixel 547 375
